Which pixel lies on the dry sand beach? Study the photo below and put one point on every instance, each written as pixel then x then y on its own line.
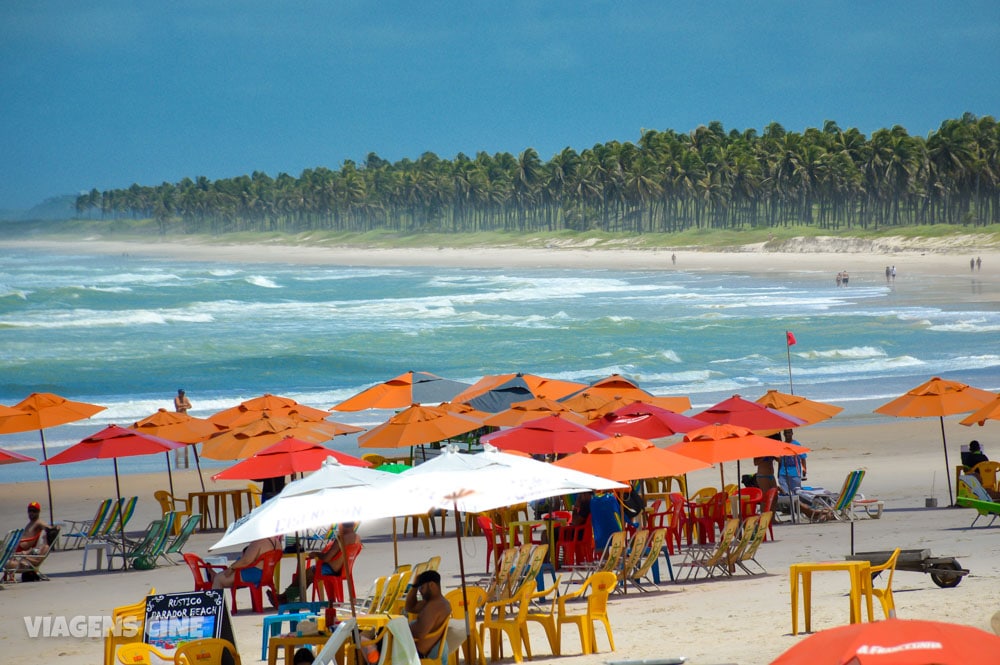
pixel 739 620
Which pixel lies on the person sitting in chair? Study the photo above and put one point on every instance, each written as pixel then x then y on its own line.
pixel 34 537
pixel 432 610
pixel 251 553
pixel 333 562
pixel 974 456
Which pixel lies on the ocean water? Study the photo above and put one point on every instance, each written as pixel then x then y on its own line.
pixel 126 332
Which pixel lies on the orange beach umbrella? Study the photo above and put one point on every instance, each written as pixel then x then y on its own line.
pixel 989 411
pixel 416 426
pixel 805 409
pixel 627 458
pixel 937 398
pixel 268 430
pixel 531 409
pixel 249 410
pixel 42 411
pixel 617 385
pixel 179 427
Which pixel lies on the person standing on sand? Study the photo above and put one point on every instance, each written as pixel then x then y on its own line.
pixel 979 263
pixel 673 259
pixel 181 402
pixel 972 265
pixel 893 273
pixel 765 473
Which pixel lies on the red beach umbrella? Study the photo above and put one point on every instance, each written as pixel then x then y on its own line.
pixel 644 420
pixel 551 435
pixel 10 457
pixel 743 412
pixel 287 457
pixel 716 444
pixel 895 642
pixel 42 411
pixel 113 442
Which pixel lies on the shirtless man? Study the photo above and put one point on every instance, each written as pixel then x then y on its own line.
pixel 333 561
pixel 432 611
pixel 33 537
pixel 251 553
pixel 181 402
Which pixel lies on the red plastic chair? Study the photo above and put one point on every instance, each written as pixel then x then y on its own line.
pixel 496 542
pixel 678 522
pixel 585 547
pixel 766 505
pixel 711 516
pixel 202 571
pixel 333 585
pixel 269 559
pixel 750 500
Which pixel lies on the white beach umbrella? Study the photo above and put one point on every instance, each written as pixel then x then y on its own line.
pixel 333 494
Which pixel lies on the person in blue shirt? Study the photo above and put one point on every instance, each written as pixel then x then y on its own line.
pixel 605 516
pixel 792 468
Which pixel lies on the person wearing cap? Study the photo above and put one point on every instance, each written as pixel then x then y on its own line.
pixel 181 402
pixel 432 610
pixel 33 538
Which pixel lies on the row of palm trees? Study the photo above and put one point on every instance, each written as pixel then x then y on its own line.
pixel 666 181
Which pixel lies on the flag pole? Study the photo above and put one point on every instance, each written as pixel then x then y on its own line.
pixel 789 340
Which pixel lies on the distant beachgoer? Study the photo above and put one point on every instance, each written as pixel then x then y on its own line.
pixel 844 278
pixel 673 259
pixel 972 265
pixel 765 473
pixel 888 273
pixel 181 402
pixel 840 278
pixel 893 273
pixel 792 468
pixel 979 263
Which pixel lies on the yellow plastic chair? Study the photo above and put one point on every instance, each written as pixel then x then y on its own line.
pixel 601 585
pixel 987 472
pixel 440 648
pixel 374 459
pixel 884 595
pixel 135 614
pixel 477 598
pixel 169 503
pixel 547 619
pixel 208 650
pixel 255 495
pixel 140 653
pixel 498 622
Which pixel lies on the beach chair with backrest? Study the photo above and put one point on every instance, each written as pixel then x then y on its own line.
pixel 739 547
pixel 971 494
pixel 499 620
pixel 8 549
pixel 328 654
pixel 476 596
pixel 529 573
pixel 26 564
pixel 635 550
pixel 987 473
pixel 175 545
pixel 750 554
pixel 610 561
pixel 136 553
pixel 643 570
pixel 711 559
pixel 75 534
pixel 544 614
pixel 841 505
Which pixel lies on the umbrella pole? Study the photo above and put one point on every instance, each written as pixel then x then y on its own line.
pixel 121 520
pixel 395 547
pixel 461 570
pixel 48 479
pixel 300 567
pixel 947 472
pixel 170 475
pixel 197 463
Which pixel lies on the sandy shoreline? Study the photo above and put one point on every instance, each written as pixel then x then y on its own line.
pixel 865 261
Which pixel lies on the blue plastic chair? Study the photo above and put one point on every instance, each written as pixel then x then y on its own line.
pixel 291 612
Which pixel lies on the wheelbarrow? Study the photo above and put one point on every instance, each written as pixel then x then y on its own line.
pixel 945 571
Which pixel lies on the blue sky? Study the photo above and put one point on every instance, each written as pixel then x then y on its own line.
pixel 106 93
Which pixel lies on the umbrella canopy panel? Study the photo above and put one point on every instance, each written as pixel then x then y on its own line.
pixel 416 426
pixel 551 435
pixel 402 391
pixel 645 421
pixel 288 456
pixel 742 412
pixel 626 458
